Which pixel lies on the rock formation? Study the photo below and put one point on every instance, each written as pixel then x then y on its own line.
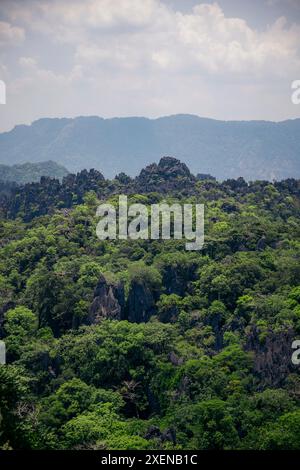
pixel 140 303
pixel 108 303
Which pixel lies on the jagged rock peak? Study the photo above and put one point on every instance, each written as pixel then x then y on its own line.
pixel 109 301
pixel 168 167
pixel 169 174
pixel 171 166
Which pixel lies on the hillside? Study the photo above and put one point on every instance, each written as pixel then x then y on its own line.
pixel 140 344
pixel 252 149
pixel 31 172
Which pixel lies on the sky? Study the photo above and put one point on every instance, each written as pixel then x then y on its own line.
pixel 231 59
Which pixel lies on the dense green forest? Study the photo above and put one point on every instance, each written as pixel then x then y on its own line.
pixel 141 344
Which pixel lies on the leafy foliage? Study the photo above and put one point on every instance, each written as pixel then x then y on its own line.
pixel 200 355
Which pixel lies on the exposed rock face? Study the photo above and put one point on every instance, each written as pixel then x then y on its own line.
pixel 273 358
pixel 170 174
pixel 261 244
pixel 140 303
pixel 109 301
pixel 170 167
pixel 175 360
pixel 154 432
pixel 205 176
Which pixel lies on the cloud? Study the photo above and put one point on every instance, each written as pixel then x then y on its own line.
pixel 28 62
pixel 221 44
pixel 104 13
pixel 142 57
pixel 10 35
pixel 69 24
pixel 135 33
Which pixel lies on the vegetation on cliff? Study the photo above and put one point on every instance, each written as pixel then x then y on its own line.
pixel 140 344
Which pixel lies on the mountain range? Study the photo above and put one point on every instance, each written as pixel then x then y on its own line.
pixel 225 149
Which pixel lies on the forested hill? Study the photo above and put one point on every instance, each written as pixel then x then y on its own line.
pixel 140 344
pixel 30 172
pixel 168 176
pixel 226 149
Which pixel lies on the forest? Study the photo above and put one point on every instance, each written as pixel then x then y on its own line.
pixel 140 344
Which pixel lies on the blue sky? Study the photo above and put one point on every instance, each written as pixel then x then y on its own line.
pixel 231 59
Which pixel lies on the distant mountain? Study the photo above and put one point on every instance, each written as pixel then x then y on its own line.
pixel 30 172
pixel 225 149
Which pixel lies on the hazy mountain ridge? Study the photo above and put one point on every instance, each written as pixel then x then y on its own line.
pixel 31 172
pixel 226 149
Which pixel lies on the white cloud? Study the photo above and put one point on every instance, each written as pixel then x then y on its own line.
pixel 118 57
pixel 10 34
pixel 104 13
pixel 221 44
pixel 27 62
pixel 132 32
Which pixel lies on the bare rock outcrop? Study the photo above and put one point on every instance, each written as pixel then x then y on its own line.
pixel 169 174
pixel 140 303
pixel 272 357
pixel 109 301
